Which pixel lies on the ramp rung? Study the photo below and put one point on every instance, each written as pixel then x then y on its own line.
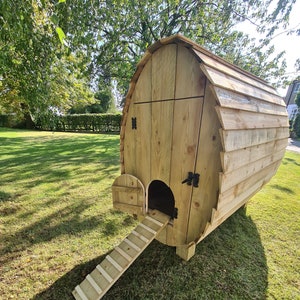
pixel 147 228
pixel 132 245
pixel 80 293
pixel 104 273
pixel 123 253
pixel 114 263
pixel 140 236
pixel 154 221
pixel 93 284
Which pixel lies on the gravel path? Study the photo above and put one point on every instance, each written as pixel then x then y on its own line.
pixel 293 145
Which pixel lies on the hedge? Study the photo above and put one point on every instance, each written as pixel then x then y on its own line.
pixel 296 125
pixel 4 122
pixel 101 123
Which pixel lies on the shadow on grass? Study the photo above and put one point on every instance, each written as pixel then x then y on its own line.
pixel 287 160
pixel 283 189
pixel 229 264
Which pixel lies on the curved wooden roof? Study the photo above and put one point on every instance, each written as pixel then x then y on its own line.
pixel 234 88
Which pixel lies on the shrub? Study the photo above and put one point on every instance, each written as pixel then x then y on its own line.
pixel 80 122
pixel 296 125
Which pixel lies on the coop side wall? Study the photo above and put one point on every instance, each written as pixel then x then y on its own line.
pixel 208 165
pixel 254 137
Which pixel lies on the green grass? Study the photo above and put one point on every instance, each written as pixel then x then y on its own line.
pixel 57 223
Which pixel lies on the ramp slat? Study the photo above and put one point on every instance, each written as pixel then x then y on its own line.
pixel 104 273
pixel 93 283
pixel 140 236
pixel 134 246
pixel 109 271
pixel 147 228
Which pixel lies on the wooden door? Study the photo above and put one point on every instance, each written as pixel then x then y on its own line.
pixel 128 194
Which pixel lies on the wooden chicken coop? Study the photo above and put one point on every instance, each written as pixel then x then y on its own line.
pixel 199 138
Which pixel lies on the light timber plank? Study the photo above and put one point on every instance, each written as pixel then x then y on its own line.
pixel 265 174
pixel 163 87
pixel 187 118
pixel 143 142
pixel 219 219
pixel 79 294
pixel 129 140
pixel 143 88
pixel 232 119
pixel 95 285
pixel 163 72
pixel 123 253
pixel 238 139
pixel 104 273
pixel 235 159
pixel 188 68
pixel 235 100
pixel 131 209
pixel 234 72
pixel 161 140
pixel 128 194
pixel 225 81
pixel 208 164
pixel 143 238
pixel 234 177
pixel 225 207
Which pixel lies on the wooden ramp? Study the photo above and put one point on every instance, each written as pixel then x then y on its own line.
pixel 99 281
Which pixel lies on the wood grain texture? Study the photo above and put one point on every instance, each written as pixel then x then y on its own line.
pixel 163 73
pixel 235 159
pixel 236 176
pixel 233 119
pixel 234 73
pixel 235 100
pixel 238 139
pixel 208 164
pixel 128 194
pixel 225 81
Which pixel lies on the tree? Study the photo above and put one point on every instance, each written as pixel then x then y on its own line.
pixel 36 71
pixel 296 123
pixel 53 52
pixel 116 33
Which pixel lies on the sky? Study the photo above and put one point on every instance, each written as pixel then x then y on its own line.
pixel 283 42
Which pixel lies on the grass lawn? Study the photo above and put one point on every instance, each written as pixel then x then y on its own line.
pixel 57 223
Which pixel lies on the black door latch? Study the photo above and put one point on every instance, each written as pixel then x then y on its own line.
pixel 193 178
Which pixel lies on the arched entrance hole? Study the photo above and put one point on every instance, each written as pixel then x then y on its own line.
pixel 160 197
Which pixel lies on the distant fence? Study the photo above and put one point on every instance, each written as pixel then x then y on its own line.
pixel 101 123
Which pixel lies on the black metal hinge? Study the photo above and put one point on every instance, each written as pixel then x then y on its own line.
pixel 192 179
pixel 133 123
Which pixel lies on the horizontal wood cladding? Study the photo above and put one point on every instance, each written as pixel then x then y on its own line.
pixel 219 79
pixel 234 177
pixel 238 139
pixel 235 159
pixel 233 119
pixel 234 100
pixel 211 62
pixel 265 175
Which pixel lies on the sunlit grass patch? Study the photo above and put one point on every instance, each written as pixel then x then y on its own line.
pixel 57 223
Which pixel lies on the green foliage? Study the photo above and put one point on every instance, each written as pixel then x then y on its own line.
pixel 4 121
pixel 297 100
pixel 103 102
pixel 80 122
pixel 53 53
pixel 296 125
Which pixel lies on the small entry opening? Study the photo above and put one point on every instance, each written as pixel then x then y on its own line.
pixel 160 197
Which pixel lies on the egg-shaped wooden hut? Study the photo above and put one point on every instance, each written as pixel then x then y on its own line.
pixel 199 137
